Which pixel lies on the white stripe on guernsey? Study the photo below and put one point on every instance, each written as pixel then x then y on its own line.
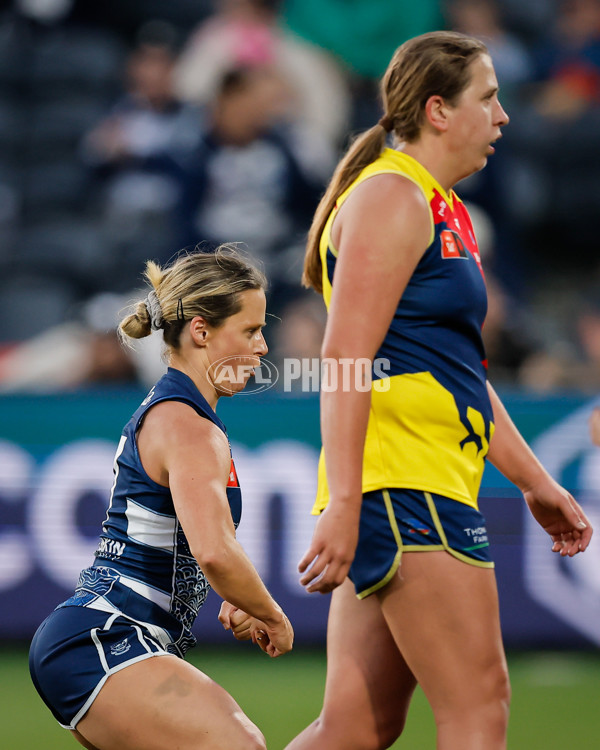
pixel 155 595
pixel 150 528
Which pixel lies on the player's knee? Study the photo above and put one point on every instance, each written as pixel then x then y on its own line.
pixel 241 734
pixel 493 704
pixel 389 732
pixel 344 735
pixel 499 691
pixel 486 706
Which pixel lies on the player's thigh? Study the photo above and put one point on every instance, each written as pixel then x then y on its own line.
pixel 164 702
pixel 369 685
pixel 444 616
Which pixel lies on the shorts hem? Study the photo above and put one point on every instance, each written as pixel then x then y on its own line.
pixel 443 546
pixel 470 560
pixel 92 697
pixel 385 580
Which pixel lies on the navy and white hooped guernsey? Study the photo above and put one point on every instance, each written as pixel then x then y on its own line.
pixel 143 566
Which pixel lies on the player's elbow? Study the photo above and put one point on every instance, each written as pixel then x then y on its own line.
pixel 214 559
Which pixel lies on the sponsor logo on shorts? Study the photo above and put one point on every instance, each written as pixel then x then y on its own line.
pixel 120 648
pixel 477 535
pixel 417 527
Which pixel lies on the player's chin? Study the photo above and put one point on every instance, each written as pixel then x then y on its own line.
pixel 232 391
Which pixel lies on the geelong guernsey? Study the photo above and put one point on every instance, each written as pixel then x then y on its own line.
pixel 430 422
pixel 143 564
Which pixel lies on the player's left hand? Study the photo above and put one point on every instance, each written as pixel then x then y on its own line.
pixel 560 515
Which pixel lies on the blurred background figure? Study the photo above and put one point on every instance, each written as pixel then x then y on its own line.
pixel 135 194
pixel 553 168
pixel 362 35
pixel 82 351
pixel 571 362
pixel 132 132
pixel 245 33
pixel 568 61
pixel 250 180
pixel 484 19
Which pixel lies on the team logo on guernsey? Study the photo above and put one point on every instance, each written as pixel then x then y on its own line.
pixel 149 396
pixel 439 207
pixel 120 648
pixel 452 245
pixel 233 478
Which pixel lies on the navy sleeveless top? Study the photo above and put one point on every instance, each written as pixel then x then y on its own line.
pixel 143 566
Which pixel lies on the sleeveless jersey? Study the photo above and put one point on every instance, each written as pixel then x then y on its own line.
pixel 430 419
pixel 143 566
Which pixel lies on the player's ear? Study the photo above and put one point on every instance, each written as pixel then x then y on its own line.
pixel 436 112
pixel 199 330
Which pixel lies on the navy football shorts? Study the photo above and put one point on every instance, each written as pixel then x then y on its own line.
pixel 394 521
pixel 76 649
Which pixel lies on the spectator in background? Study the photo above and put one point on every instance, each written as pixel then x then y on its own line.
pixel 136 193
pixel 507 336
pixel 247 33
pixel 483 19
pixel 363 35
pixel 247 181
pixel 82 351
pixel 553 147
pixel 572 361
pixel 568 61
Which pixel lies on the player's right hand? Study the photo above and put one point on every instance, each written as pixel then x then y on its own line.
pixel 327 561
pixel 275 639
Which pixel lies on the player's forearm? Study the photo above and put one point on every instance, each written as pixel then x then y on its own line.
pixel 232 575
pixel 344 419
pixel 509 452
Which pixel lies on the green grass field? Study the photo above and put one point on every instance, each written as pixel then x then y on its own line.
pixel 556 699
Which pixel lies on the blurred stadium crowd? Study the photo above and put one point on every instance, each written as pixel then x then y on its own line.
pixel 132 128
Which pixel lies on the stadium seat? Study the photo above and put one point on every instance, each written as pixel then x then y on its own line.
pixel 30 303
pixel 66 248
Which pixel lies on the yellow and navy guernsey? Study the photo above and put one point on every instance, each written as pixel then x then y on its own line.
pixel 430 429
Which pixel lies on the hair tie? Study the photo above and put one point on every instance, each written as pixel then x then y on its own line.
pixel 386 123
pixel 154 311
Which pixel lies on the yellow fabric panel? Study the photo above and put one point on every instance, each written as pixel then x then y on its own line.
pixel 413 441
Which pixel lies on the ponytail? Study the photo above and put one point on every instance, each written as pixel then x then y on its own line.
pixel 364 150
